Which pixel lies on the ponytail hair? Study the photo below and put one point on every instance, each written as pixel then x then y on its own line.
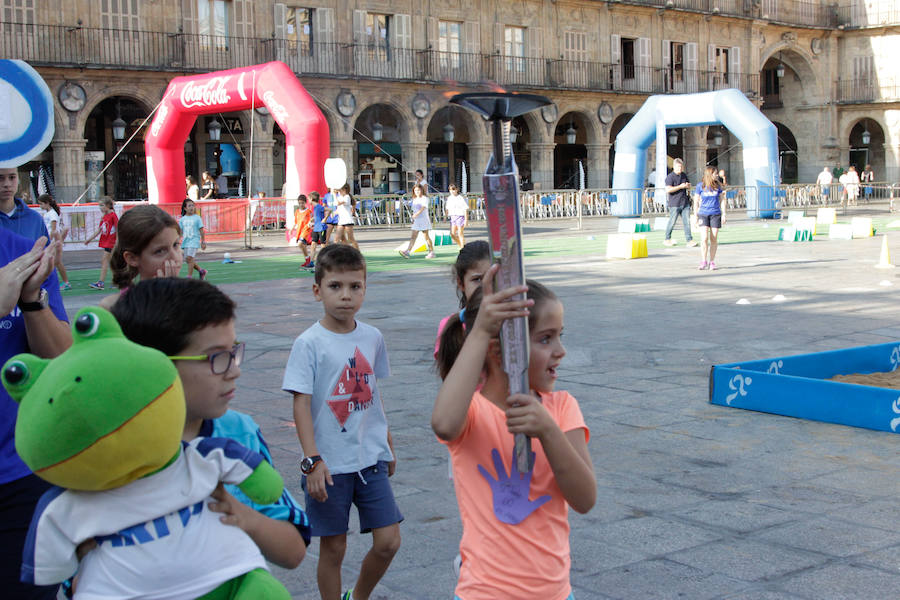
pixel 48 199
pixel 454 334
pixel 136 229
pixel 469 256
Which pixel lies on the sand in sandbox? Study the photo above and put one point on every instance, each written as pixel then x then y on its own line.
pixel 883 380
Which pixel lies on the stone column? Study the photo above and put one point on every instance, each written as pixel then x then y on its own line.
pixel 597 165
pixel 695 161
pixel 478 159
pixel 891 164
pixel 346 149
pixel 415 156
pixel 262 167
pixel 542 165
pixel 68 168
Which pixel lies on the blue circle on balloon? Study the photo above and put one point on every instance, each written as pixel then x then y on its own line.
pixel 35 93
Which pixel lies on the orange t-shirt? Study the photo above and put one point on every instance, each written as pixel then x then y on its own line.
pixel 526 560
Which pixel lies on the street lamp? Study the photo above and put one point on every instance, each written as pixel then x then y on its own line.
pixel 673 137
pixel 449 133
pixel 570 134
pixel 118 126
pixel 215 130
pixel 377 131
pixel 779 70
pixel 866 136
pixel 717 137
pixel 513 134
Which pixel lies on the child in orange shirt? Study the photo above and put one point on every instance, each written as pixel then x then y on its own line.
pixel 303 225
pixel 501 508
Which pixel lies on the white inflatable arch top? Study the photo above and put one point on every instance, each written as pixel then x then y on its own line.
pixel 730 108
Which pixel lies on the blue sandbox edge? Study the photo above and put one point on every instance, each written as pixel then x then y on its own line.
pixel 797 386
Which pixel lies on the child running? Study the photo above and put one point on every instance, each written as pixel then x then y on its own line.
pixel 472 262
pixel 107 233
pixel 53 221
pixel 193 322
pixel 318 227
pixel 303 225
pixel 709 206
pixel 457 208
pixel 421 222
pixel 193 237
pixel 148 246
pixel 333 374
pixel 502 509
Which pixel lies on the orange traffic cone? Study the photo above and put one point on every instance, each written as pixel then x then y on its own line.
pixel 885 261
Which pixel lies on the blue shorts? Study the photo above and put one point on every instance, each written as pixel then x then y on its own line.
pixel 369 490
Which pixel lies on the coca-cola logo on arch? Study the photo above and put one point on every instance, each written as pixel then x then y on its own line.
pixel 211 93
pixel 278 110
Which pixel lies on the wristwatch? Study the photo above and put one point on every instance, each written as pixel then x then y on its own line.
pixel 308 464
pixel 42 302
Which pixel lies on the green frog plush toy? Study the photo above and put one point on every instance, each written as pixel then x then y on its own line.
pixel 103 421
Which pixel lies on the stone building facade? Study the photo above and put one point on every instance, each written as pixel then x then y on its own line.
pixel 382 72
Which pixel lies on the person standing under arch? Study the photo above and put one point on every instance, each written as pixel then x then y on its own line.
pixel 709 206
pixel 677 186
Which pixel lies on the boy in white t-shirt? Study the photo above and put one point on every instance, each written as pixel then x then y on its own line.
pixel 332 373
pixel 457 209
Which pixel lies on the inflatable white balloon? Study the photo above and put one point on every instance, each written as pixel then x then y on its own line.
pixel 26 113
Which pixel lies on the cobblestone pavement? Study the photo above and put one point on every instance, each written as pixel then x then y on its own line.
pixel 695 501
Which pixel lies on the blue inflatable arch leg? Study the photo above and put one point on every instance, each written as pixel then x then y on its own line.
pixel 725 107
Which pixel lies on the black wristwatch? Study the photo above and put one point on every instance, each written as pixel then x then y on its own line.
pixel 43 302
pixel 308 464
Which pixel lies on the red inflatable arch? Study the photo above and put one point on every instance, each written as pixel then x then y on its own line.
pixel 272 85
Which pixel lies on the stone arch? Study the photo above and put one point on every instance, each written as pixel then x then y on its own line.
pixel 405 119
pixel 799 61
pixel 138 95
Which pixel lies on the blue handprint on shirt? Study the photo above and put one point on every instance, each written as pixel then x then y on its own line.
pixel 511 503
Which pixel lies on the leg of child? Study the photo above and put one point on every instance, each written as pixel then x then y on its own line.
pixel 190 262
pixel 62 270
pixel 351 239
pixel 385 544
pixel 428 241
pixel 412 239
pixel 328 572
pixel 461 234
pixel 104 265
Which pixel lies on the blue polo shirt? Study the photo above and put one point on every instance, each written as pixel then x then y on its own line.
pixel 24 221
pixel 13 340
pixel 709 200
pixel 318 218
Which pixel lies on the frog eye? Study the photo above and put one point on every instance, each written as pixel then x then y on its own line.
pixel 15 373
pixel 86 325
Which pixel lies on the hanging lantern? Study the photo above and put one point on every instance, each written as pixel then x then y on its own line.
pixel 377 131
pixel 449 133
pixel 570 134
pixel 215 130
pixel 513 134
pixel 673 137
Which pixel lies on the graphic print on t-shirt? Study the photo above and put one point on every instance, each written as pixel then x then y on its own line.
pixel 352 392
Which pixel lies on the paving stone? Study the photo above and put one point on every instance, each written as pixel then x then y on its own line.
pixel 844 582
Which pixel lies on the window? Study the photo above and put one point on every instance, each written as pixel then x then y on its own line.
pixel 676 62
pixel 119 14
pixel 448 43
pixel 299 29
pixel 377 36
pixel 16 15
pixel 514 48
pixel 575 46
pixel 627 58
pixel 213 23
pixel 720 67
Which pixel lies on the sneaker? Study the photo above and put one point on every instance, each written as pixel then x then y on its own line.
pixel 65 286
pixel 692 243
pixel 669 242
pixel 703 265
pixel 404 254
pixel 348 595
pixel 97 285
pixel 429 255
pixel 203 273
pixel 712 266
pixel 306 262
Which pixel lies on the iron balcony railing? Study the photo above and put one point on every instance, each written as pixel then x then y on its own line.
pixel 859 15
pixel 866 90
pixel 145 50
pixel 809 13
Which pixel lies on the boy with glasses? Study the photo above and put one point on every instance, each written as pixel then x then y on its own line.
pixel 192 322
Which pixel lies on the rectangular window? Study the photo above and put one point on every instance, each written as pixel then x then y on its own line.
pixel 377 32
pixel 17 14
pixel 575 46
pixel 720 77
pixel 119 14
pixel 676 61
pixel 627 58
pixel 299 29
pixel 514 48
pixel 213 23
pixel 449 43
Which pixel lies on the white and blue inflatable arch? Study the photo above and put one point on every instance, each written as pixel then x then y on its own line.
pixel 26 113
pixel 726 107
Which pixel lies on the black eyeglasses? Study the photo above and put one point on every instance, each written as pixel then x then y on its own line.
pixel 219 362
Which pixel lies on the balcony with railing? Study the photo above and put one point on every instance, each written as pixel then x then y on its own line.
pixel 858 16
pixel 89 48
pixel 860 91
pixel 804 13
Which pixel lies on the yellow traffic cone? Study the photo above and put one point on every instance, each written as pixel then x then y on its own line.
pixel 885 260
